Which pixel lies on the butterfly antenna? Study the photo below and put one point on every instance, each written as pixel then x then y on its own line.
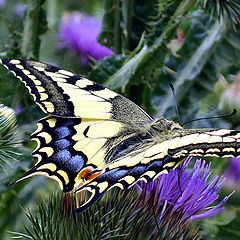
pixel 175 100
pixel 179 183
pixel 204 118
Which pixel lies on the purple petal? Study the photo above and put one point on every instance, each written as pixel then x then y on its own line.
pixel 79 32
pixel 197 191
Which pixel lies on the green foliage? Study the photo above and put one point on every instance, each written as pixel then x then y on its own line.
pixel 124 23
pixel 109 22
pixel 95 223
pixel 230 229
pixel 222 226
pixel 197 65
pixel 102 70
pixel 9 154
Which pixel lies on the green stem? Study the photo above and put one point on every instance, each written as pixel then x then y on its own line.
pixel 35 25
pixel 127 11
pixel 26 40
pixel 117 30
pixel 183 8
pixel 54 9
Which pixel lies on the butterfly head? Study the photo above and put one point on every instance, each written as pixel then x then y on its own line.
pixel 166 127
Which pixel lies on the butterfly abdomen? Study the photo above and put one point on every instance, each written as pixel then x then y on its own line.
pixel 198 142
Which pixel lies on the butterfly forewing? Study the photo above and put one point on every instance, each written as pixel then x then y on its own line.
pixel 62 93
pixel 95 139
pixel 86 120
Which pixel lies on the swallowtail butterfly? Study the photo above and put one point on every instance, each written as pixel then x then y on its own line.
pixel 95 139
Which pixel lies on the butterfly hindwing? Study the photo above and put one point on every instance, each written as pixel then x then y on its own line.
pixel 70 148
pixel 124 177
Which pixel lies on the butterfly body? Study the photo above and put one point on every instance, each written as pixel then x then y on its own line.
pixel 94 139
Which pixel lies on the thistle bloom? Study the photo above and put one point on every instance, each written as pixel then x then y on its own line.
pixel 178 198
pixel 232 172
pixel 19 9
pixel 79 32
pixel 2 3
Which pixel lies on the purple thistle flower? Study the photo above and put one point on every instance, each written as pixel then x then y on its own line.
pixel 232 172
pixel 2 3
pixel 18 109
pixel 79 32
pixel 173 208
pixel 19 9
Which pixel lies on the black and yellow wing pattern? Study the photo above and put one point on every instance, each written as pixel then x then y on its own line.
pixel 95 139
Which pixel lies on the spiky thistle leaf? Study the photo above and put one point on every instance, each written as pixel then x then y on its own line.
pixel 56 220
pixel 223 8
pixel 7 133
pixel 160 22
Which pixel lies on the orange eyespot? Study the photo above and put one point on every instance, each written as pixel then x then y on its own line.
pixel 88 174
pixel 91 176
pixel 84 172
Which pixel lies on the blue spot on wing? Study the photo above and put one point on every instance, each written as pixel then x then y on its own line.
pixel 62 132
pixel 62 156
pixel 75 164
pixel 62 144
pixel 112 175
pixel 137 171
pixel 119 174
pixel 154 166
pixel 108 175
